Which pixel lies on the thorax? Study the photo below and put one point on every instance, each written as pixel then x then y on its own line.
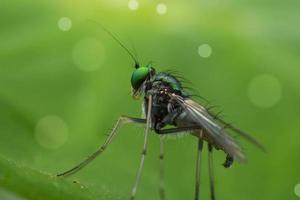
pixel 160 87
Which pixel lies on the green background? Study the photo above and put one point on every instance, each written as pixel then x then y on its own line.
pixel 253 74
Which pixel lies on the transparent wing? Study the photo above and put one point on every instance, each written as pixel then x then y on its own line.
pixel 245 135
pixel 214 131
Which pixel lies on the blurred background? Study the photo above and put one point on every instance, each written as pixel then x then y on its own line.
pixel 64 82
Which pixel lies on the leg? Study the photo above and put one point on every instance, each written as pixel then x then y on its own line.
pixel 177 130
pixel 198 166
pixel 211 173
pixel 162 194
pixel 122 120
pixel 144 151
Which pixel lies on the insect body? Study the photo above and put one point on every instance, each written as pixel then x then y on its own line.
pixel 167 103
pixel 171 105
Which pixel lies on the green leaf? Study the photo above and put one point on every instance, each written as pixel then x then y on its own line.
pixel 22 182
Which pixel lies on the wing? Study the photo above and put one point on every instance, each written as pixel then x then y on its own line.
pixel 214 131
pixel 245 135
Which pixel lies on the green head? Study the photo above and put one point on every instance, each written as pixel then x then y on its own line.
pixel 138 77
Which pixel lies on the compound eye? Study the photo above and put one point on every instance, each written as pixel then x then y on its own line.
pixel 139 76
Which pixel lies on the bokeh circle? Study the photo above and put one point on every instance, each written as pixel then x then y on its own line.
pixel 51 132
pixel 161 8
pixel 297 190
pixel 264 91
pixel 64 24
pixel 204 50
pixel 133 4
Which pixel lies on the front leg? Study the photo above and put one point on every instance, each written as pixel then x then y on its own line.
pixel 122 120
pixel 144 151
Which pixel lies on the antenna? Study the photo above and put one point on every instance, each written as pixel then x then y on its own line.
pixel 136 63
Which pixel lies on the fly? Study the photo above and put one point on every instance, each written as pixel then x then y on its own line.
pixel 167 103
